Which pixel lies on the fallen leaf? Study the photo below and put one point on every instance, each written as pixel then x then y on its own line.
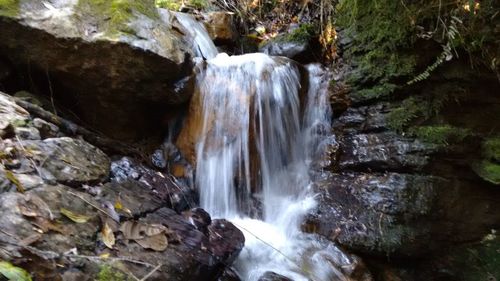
pixel 12 178
pixel 156 242
pixel 45 225
pixel 12 272
pixel 104 256
pixel 119 206
pixel 137 230
pixel 75 217
pixel 108 238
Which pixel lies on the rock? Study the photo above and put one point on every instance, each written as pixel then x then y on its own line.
pixel 158 159
pixel 229 275
pixel 27 133
pixel 171 191
pixel 11 116
pixel 46 129
pixel 190 255
pixel 120 60
pixel 284 48
pixel 383 151
pixel 70 161
pixel 399 214
pixel 271 276
pixel 220 27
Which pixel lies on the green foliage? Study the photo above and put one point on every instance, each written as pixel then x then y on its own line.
pixel 9 8
pixel 488 167
pixel 378 34
pixel 107 273
pixel 116 14
pixel 175 5
pixel 378 91
pixel 301 35
pixel 480 261
pixel 12 272
pixel 401 117
pixel 440 134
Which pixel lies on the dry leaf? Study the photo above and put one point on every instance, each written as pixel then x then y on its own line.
pixel 156 242
pixel 108 238
pixel 75 217
pixel 104 255
pixel 45 225
pixel 137 230
pixel 119 206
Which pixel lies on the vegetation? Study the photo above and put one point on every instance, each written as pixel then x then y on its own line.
pixel 108 273
pixel 9 8
pixel 118 13
pixel 489 166
pixel 175 5
pixel 440 134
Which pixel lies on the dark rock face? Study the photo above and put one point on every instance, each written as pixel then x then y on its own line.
pixel 97 69
pixel 398 195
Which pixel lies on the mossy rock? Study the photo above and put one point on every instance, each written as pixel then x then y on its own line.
pixel 117 14
pixel 488 168
pixel 9 8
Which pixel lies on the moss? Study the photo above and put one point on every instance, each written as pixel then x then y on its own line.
pixel 9 8
pixel 175 5
pixel 303 34
pixel 440 134
pixel 488 167
pixel 378 91
pixel 107 273
pixel 480 261
pixel 401 117
pixel 377 35
pixel 117 14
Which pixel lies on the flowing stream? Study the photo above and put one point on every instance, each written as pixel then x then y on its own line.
pixel 264 121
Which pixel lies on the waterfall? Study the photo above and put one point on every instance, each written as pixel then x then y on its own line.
pixel 262 125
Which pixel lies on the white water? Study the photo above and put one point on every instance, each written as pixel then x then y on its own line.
pixel 257 143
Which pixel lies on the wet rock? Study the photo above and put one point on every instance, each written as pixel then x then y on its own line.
pixel 220 27
pixel 173 192
pixel 199 218
pixel 383 151
pixel 399 214
pixel 119 60
pixel 158 159
pixel 229 275
pixel 70 161
pixel 271 276
pixel 285 48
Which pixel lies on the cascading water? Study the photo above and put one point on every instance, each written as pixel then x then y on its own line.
pixel 256 145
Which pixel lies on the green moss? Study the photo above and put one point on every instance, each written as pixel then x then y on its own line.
pixel 378 91
pixel 117 14
pixel 175 5
pixel 303 34
pixel 440 134
pixel 9 8
pixel 409 110
pixel 488 167
pixel 378 34
pixel 480 261
pixel 107 273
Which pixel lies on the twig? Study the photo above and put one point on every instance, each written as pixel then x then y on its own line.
pixel 90 203
pixel 51 91
pixel 151 272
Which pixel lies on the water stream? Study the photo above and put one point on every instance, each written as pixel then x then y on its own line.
pixel 263 124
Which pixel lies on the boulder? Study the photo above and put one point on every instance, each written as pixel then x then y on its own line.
pixel 220 27
pixel 101 58
pixel 56 224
